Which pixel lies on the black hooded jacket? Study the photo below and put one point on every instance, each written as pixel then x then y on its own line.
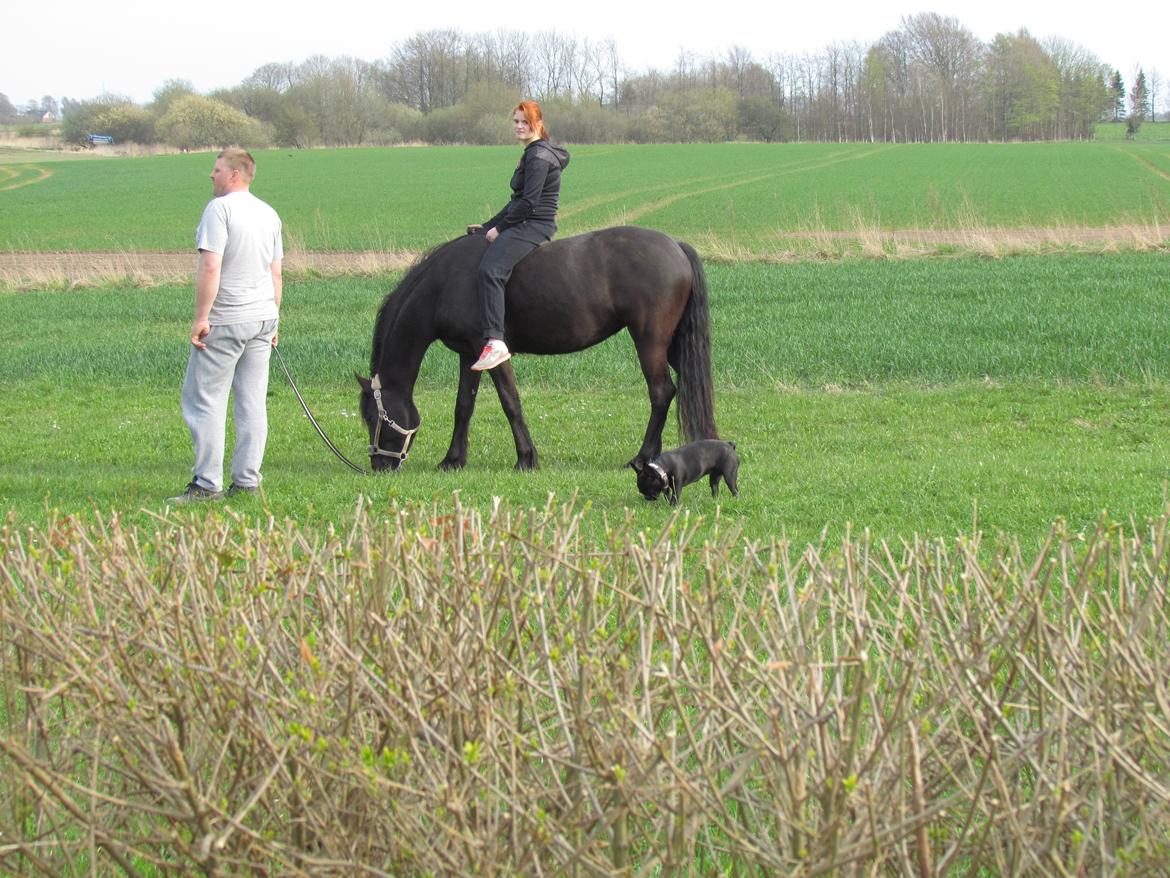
pixel 536 187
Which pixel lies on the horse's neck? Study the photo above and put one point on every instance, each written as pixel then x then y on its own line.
pixel 405 342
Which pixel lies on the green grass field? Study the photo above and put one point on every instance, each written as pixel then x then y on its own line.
pixel 742 197
pixel 906 396
pixel 1150 132
pixel 900 396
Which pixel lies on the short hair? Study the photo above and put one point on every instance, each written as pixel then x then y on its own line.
pixel 531 111
pixel 239 160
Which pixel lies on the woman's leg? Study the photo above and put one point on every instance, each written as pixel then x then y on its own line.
pixel 495 267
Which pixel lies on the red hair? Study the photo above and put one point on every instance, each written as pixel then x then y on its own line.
pixel 531 111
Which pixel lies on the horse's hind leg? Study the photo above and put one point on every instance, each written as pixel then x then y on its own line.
pixel 456 457
pixel 505 381
pixel 652 356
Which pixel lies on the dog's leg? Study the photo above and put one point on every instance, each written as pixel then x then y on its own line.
pixel 715 483
pixel 672 491
pixel 731 477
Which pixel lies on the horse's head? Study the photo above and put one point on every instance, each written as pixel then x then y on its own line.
pixel 389 440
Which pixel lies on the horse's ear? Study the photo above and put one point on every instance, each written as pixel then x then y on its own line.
pixel 364 382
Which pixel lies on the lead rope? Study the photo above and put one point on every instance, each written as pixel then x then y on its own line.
pixel 353 466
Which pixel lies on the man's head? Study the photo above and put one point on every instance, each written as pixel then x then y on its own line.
pixel 233 171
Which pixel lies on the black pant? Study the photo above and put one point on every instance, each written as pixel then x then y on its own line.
pixel 495 267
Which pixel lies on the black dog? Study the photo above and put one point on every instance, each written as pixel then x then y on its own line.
pixel 670 472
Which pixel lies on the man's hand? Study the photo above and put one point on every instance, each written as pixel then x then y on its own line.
pixel 199 330
pixel 492 234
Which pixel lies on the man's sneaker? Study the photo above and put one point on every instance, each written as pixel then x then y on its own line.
pixel 494 353
pixel 195 493
pixel 241 489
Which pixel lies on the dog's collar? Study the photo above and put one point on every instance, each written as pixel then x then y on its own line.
pixel 661 472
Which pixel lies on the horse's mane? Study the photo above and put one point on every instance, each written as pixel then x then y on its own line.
pixel 395 299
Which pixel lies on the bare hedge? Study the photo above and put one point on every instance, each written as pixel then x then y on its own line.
pixel 440 691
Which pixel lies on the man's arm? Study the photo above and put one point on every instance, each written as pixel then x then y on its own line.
pixel 206 286
pixel 277 289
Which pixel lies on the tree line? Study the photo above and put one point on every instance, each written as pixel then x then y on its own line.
pixel 930 80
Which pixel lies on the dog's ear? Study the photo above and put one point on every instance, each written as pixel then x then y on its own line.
pixel 364 382
pixel 732 444
pixel 637 465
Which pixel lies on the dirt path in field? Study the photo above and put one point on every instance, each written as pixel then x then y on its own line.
pixel 1149 166
pixel 23 269
pixel 26 175
pixel 73 267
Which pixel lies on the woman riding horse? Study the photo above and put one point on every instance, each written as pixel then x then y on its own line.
pixel 527 221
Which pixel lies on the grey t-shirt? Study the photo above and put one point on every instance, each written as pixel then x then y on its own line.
pixel 246 233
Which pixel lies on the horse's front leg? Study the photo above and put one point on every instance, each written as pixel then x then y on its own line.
pixel 464 407
pixel 505 381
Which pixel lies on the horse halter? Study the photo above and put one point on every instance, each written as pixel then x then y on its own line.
pixel 383 418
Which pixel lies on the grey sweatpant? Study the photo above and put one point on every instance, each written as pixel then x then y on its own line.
pixel 235 360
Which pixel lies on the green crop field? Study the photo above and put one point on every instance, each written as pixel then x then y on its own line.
pixel 734 197
pixel 901 396
pixel 904 395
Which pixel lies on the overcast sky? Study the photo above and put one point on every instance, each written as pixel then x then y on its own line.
pixel 130 47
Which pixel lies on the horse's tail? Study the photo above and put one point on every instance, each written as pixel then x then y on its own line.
pixel 695 404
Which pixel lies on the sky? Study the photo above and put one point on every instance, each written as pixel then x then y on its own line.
pixel 82 48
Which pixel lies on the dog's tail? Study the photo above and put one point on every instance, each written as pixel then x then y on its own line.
pixel 692 352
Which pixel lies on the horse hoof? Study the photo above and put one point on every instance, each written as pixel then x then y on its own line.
pixel 450 465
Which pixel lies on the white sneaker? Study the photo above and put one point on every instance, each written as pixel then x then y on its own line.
pixel 494 353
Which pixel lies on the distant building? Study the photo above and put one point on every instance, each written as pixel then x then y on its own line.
pixel 48 117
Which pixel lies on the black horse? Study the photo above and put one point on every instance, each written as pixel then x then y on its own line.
pixel 563 297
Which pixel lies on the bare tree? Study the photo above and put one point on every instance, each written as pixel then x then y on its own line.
pixel 613 69
pixel 685 71
pixel 514 59
pixel 277 76
pixel 557 65
pixel 948 54
pixel 426 70
pixel 739 60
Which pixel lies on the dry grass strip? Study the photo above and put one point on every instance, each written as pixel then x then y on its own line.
pixel 73 269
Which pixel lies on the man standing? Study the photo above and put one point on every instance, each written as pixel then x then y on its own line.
pixel 237 305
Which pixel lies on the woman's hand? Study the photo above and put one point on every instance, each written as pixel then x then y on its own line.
pixel 492 234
